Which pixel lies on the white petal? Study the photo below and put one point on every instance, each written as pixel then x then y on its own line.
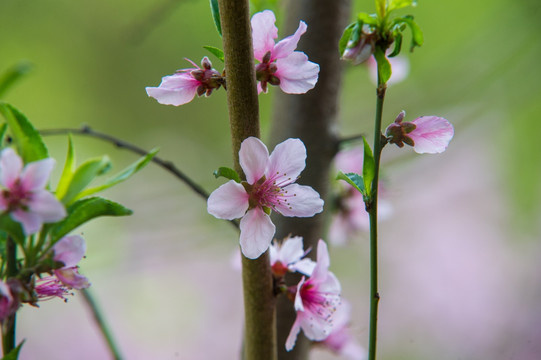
pixel 229 201
pixel 300 201
pixel 287 161
pixel 291 250
pixel 286 46
pixel 177 89
pixel 263 33
pixel 292 337
pixel 256 233
pixel 297 75
pixel 305 266
pixel 253 158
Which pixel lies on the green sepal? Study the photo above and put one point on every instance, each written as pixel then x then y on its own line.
pixel 384 67
pixel 12 228
pixel 26 138
pixel 342 44
pixel 67 172
pixel 366 18
pixel 219 53
pixel 121 176
pixel 369 168
pixel 227 173
pixel 215 10
pixel 353 179
pixel 417 38
pixel 83 211
pixel 14 354
pixel 397 45
pixel 84 175
pixel 267 210
pixel 399 4
pixel 12 75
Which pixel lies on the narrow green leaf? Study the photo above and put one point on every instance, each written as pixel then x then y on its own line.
pixel 381 6
pixel 120 177
pixel 398 4
pixel 216 15
pixel 12 228
pixel 84 175
pixel 384 67
pixel 369 167
pixel 67 172
pixel 342 44
pixel 417 38
pixel 27 139
pixel 215 51
pixel 9 77
pixel 227 173
pixel 353 179
pixel 13 354
pixel 397 45
pixel 83 211
pixel 3 129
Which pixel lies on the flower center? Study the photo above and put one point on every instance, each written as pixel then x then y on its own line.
pixel 16 197
pixel 265 72
pixel 268 193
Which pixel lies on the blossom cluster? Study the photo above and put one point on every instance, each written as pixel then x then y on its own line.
pixel 278 64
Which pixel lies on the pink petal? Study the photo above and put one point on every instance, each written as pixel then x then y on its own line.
pixel 304 266
pixel 286 46
pixel 287 161
pixel 297 75
pixel 263 33
pixel 340 229
pixel 31 222
pixel 229 201
pixel 47 206
pixel 315 327
pixel 36 174
pixel 256 233
pixel 11 166
pixel 323 261
pixel 71 278
pixel 253 158
pixel 175 89
pixel 69 250
pixel 350 160
pixel 301 201
pixel 292 337
pixel 299 306
pixel 291 250
pixel 432 134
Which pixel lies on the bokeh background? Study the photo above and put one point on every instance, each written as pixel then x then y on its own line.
pixel 460 257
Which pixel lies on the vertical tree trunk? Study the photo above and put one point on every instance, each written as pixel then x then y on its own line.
pixel 310 117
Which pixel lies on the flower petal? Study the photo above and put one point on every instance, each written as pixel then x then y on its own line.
pixel 69 250
pixel 177 89
pixel 11 166
pixel 263 33
pixel 291 250
pixel 286 46
pixel 256 233
pixel 323 262
pixel 253 158
pixel 46 206
pixel 300 201
pixel 30 221
pixel 36 174
pixel 292 337
pixel 71 278
pixel 304 266
pixel 229 201
pixel 297 75
pixel 287 161
pixel 432 134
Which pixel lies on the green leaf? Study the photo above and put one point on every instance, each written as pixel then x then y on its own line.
pixel 384 67
pixel 84 175
pixel 67 172
pixel 369 168
pixel 381 6
pixel 12 228
pixel 216 15
pixel 342 44
pixel 417 38
pixel 398 4
pixel 397 45
pixel 215 51
pixel 227 173
pixel 120 177
pixel 353 179
pixel 27 139
pixel 3 129
pixel 83 211
pixel 12 75
pixel 13 354
pixel 366 18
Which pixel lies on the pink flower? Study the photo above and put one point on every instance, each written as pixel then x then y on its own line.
pixel 180 88
pixel 24 195
pixel 269 186
pixel 427 134
pixel 316 301
pixel 400 66
pixel 8 305
pixel 288 257
pixel 279 63
pixel 340 340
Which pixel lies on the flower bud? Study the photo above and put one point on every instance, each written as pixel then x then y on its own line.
pixel 360 50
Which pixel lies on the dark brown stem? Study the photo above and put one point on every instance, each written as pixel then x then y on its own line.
pixel 259 300
pixel 310 117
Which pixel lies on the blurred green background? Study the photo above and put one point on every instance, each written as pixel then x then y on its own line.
pixel 460 258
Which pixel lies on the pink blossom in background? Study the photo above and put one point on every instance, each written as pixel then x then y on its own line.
pixel 279 63
pixel 316 301
pixel 340 340
pixel 270 185
pixel 400 67
pixel 288 256
pixel 181 88
pixel 24 195
pixel 8 305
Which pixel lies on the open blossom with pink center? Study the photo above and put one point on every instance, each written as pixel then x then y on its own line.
pixel 340 340
pixel 270 185
pixel 351 217
pixel 316 301
pixel 24 196
pixel 279 63
pixel 289 257
pixel 181 88
pixel 427 134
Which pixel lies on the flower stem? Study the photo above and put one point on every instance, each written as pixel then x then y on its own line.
pixel 373 214
pixel 9 324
